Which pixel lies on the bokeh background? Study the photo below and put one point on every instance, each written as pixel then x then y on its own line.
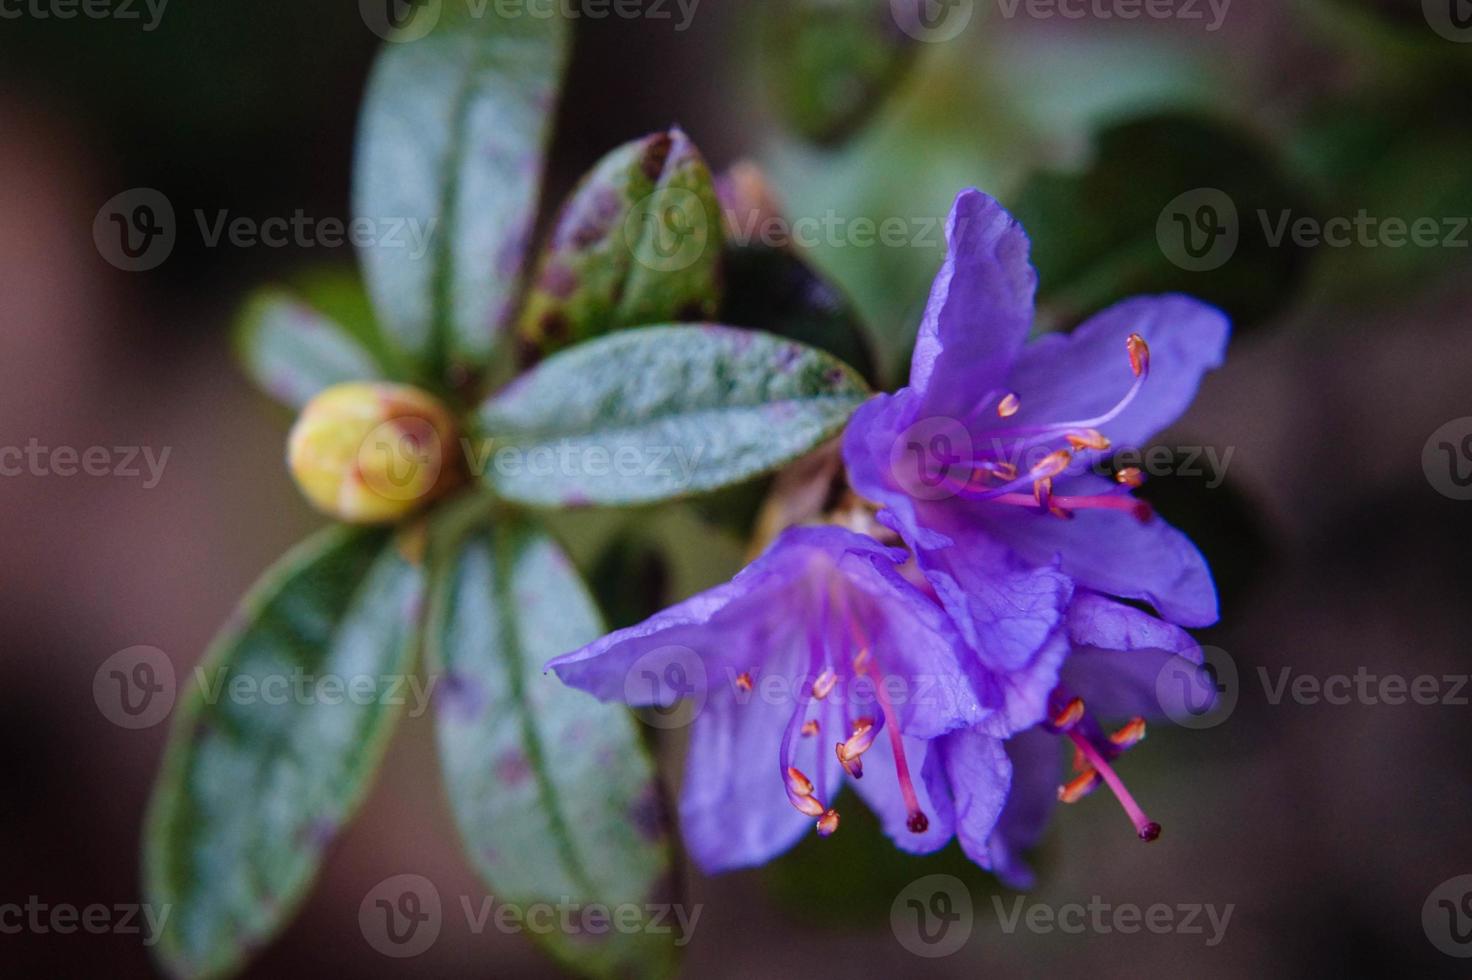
pixel 1326 827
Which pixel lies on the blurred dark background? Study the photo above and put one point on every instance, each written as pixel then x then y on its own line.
pixel 1325 826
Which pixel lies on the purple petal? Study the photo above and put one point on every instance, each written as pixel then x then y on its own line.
pixel 1020 697
pixel 1119 659
pixel 1112 552
pixel 980 309
pixel 1097 622
pixel 916 646
pixel 734 810
pixel 880 789
pixel 1006 610
pixel 1082 375
pixel 979 774
pixel 714 636
pixel 1036 770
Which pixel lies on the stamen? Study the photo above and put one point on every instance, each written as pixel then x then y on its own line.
pixel 861 661
pixel 1078 787
pixel 743 682
pixel 1140 509
pixel 798 782
pixel 823 686
pixel 828 823
pixel 1130 735
pixel 1069 715
pixel 917 821
pixel 850 752
pixel 1147 829
pixel 1139 354
pixel 810 727
pixel 1088 439
pixel 1008 406
pixel 1051 465
pixel 800 792
pixel 1130 476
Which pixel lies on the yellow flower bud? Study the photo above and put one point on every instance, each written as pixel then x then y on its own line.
pixel 369 453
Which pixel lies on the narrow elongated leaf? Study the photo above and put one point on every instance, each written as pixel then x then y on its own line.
pixel 554 795
pixel 292 352
pixel 448 173
pixel 274 744
pixel 638 242
pixel 656 413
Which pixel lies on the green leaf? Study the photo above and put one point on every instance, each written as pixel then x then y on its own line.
pixel 662 412
pixel 554 795
pixel 269 755
pixel 292 352
pixel 829 63
pixel 1106 234
pixel 639 241
pixel 450 154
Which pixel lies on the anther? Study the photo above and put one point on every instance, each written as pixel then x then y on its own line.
pixel 1008 406
pixel 810 727
pixel 1088 439
pixel 1130 735
pixel 1078 787
pixel 850 752
pixel 798 782
pixel 1130 476
pixel 1139 354
pixel 743 682
pixel 823 686
pixel 1068 716
pixel 828 823
pixel 1051 465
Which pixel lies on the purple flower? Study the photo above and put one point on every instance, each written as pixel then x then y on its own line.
pixel 993 442
pixel 1114 674
pixel 818 662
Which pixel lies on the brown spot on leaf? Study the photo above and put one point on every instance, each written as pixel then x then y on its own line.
pixel 557 280
pixel 513 769
pixel 656 152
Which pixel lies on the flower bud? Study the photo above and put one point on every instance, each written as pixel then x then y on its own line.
pixel 369 453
